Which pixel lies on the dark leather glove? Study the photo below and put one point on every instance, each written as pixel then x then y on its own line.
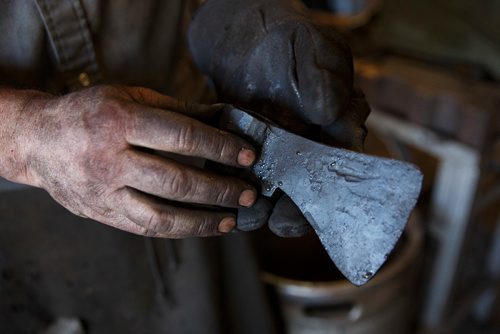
pixel 268 56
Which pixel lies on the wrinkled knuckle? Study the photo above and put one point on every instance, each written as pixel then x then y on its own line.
pixel 206 226
pixel 226 196
pixel 154 221
pixel 187 140
pixel 149 233
pixel 111 108
pixel 142 228
pixel 103 99
pixel 160 222
pixel 177 183
pixel 225 148
pixel 109 116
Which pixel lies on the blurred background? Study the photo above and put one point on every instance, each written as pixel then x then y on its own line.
pixel 430 71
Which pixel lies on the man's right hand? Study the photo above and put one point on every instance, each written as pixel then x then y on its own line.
pixel 87 150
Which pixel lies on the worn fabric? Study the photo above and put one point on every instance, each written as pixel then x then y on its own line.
pixel 136 43
pixel 54 264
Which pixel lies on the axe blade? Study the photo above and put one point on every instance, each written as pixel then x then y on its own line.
pixel 357 204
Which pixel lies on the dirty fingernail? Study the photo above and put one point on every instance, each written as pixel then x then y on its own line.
pixel 227 224
pixel 246 157
pixel 247 198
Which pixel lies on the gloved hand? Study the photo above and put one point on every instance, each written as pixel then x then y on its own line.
pixel 268 56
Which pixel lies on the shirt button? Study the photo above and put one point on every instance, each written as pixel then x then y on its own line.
pixel 84 79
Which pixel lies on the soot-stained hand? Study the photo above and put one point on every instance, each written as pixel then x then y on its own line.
pixel 92 151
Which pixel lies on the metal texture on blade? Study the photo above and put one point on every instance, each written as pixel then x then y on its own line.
pixel 357 204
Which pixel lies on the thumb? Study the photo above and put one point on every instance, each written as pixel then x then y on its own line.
pixel 153 99
pixel 255 217
pixel 287 221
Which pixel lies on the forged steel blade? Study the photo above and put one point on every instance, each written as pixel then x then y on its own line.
pixel 357 204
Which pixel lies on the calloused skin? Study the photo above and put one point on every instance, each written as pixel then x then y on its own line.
pixel 84 148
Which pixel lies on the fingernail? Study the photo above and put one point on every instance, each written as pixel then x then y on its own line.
pixel 247 198
pixel 246 157
pixel 227 224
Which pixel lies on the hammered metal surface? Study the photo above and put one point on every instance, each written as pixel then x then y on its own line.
pixel 357 204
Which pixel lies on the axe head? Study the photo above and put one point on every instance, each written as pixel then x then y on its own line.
pixel 357 204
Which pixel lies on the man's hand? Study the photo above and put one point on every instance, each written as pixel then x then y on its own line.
pixel 270 57
pixel 91 151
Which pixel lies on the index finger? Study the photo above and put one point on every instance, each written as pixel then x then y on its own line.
pixel 172 132
pixel 153 99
